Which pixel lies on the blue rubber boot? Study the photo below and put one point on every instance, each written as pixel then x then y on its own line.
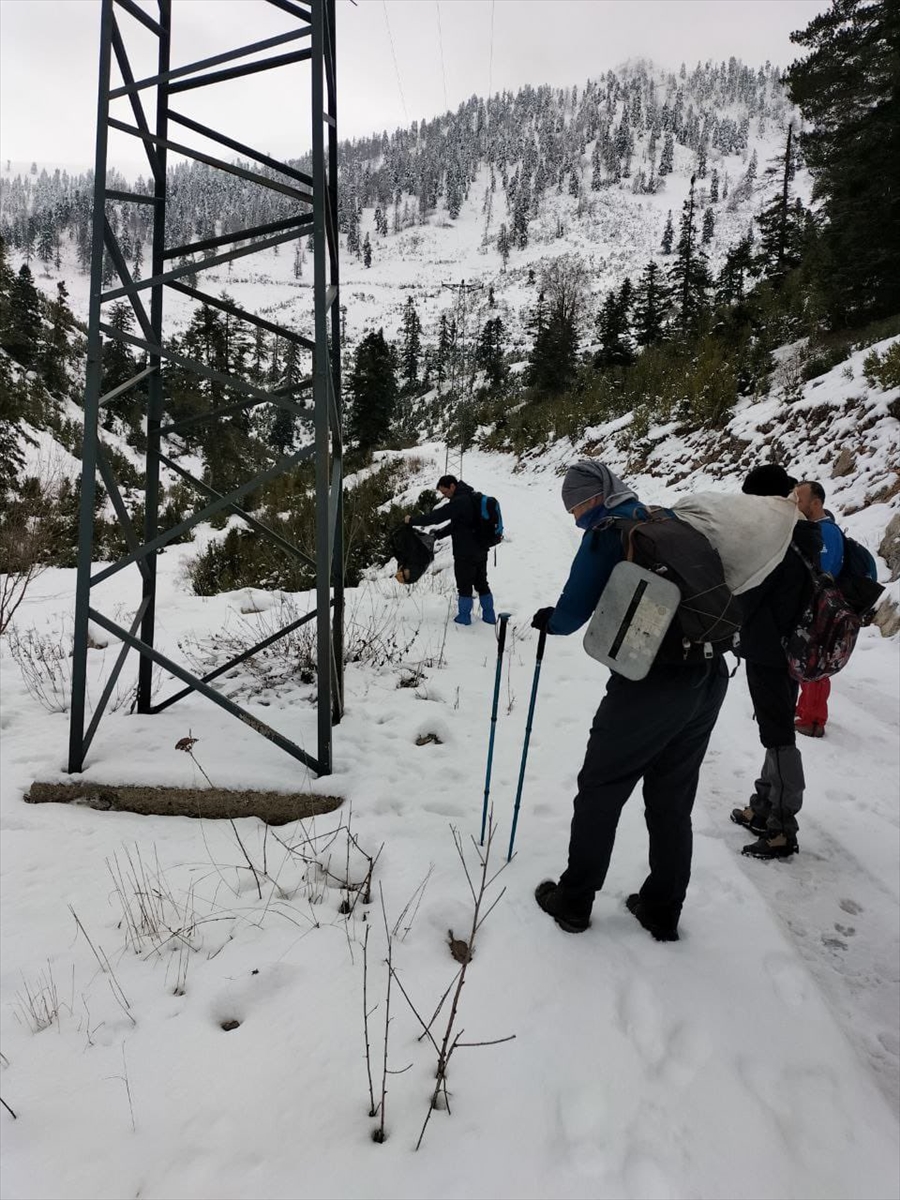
pixel 487 608
pixel 464 616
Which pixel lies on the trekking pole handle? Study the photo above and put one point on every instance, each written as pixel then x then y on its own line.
pixel 501 636
pixel 542 641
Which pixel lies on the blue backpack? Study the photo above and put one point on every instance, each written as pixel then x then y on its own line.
pixel 488 521
pixel 858 579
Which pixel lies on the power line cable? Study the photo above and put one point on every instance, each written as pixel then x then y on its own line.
pixel 491 57
pixel 441 43
pixel 394 56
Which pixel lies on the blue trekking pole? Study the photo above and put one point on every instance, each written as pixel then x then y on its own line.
pixel 501 642
pixel 534 687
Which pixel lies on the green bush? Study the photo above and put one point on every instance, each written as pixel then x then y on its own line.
pixel 246 558
pixel 883 370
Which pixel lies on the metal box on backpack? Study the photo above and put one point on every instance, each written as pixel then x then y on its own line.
pixel 630 621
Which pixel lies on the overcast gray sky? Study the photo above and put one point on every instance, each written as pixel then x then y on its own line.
pixel 443 51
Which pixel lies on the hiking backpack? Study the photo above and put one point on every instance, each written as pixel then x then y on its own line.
pixel 821 642
pixel 488 521
pixel 708 619
pixel 858 578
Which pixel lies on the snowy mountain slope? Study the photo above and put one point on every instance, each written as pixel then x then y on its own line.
pixel 738 118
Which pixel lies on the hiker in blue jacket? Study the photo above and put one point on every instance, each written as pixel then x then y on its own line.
pixel 656 729
pixel 470 555
pixel 812 704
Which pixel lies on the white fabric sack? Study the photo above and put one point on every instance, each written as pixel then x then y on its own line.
pixel 751 533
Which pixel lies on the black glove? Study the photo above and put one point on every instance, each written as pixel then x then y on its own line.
pixel 541 618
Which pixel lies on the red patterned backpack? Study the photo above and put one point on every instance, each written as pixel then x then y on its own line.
pixel 822 641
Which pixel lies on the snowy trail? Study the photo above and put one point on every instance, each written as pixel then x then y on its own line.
pixel 757 1057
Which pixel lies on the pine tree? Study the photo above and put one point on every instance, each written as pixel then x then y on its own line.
pixel 714 187
pixel 553 362
pixel 373 388
pixel 613 330
pixel 520 219
pixel 24 324
pixel 650 307
pixel 367 251
pixel 783 223
pixel 689 274
pixel 57 352
pixel 410 345
pixel 668 236
pixel 709 225
pixel 731 284
pixel 118 362
pixel 503 246
pixel 445 346
pixel 7 280
pixel 12 458
pixel 284 422
pixel 667 158
pixel 489 353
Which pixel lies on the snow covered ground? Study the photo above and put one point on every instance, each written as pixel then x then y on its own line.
pixel 757 1057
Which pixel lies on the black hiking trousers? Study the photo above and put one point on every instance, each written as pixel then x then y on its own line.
pixel 774 695
pixel 658 729
pixel 471 572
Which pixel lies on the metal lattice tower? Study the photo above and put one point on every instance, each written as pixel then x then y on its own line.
pixel 314 197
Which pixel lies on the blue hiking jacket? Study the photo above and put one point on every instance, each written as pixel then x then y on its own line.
pixel 598 553
pixel 832 559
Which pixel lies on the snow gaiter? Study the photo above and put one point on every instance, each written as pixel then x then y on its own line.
pixel 782 776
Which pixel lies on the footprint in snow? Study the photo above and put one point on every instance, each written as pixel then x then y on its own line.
pixel 640 1018
pixel 851 907
pixel 583 1117
pixel 788 979
pixel 833 943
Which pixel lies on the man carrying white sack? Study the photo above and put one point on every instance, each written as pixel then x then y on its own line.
pixel 770 611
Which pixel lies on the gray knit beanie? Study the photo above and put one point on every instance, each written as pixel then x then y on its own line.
pixel 589 478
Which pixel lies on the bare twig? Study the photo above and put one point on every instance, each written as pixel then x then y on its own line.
pixel 493 1041
pixel 106 967
pixel 417 897
pixel 8 1109
pixel 450 1040
pixel 372 1109
pixel 426 1030
pixel 440 1005
pixel 379 1134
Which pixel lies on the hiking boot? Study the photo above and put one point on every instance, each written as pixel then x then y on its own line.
pixel 812 730
pixel 487 609
pixel 775 845
pixel 749 819
pixel 663 931
pixel 553 903
pixel 464 613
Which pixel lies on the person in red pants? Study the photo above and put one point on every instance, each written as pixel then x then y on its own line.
pixel 812 704
pixel 812 708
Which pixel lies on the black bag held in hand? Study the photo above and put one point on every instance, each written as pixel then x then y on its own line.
pixel 414 552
